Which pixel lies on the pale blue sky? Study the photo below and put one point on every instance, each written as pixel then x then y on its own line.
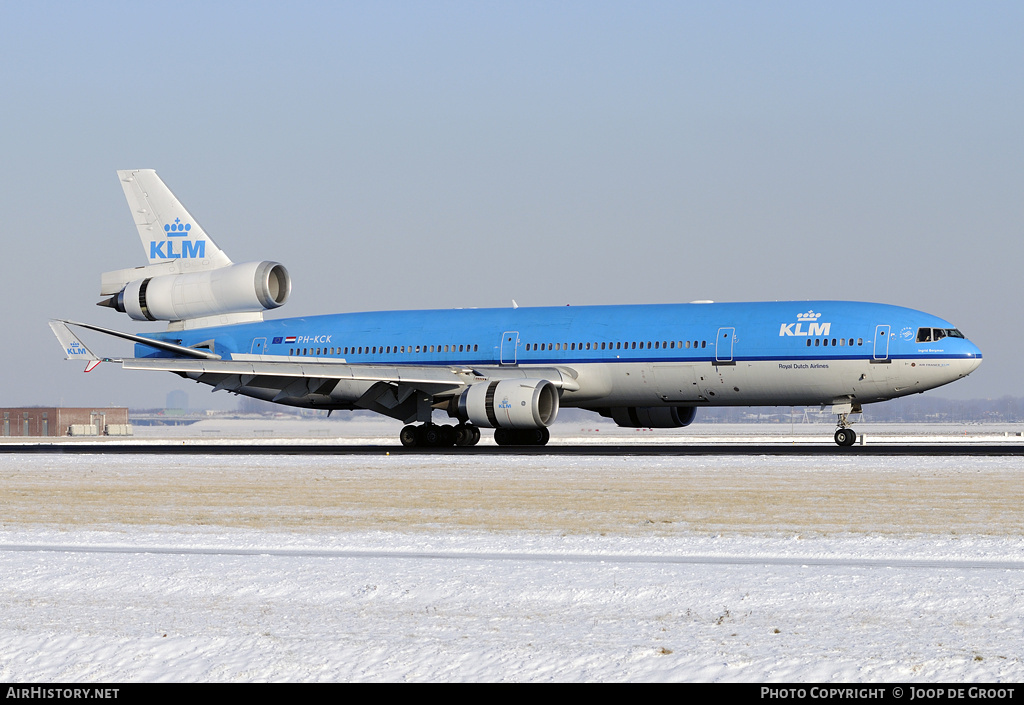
pixel 445 154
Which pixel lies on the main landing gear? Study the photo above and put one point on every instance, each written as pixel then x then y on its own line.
pixel 434 436
pixel 437 436
pixel 522 436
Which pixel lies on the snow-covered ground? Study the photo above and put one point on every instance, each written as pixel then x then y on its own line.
pixel 213 568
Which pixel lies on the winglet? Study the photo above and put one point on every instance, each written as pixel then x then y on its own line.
pixel 74 349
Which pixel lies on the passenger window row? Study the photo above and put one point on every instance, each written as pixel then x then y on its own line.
pixel 383 350
pixel 841 342
pixel 420 349
pixel 619 345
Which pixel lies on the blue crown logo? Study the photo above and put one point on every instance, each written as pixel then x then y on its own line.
pixel 177 228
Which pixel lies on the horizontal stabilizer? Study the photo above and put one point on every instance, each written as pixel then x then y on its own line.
pixel 57 325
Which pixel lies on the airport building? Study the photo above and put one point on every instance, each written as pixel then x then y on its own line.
pixel 61 421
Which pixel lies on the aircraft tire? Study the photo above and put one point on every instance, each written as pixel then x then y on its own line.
pixel 536 437
pixel 447 435
pixel 846 437
pixel 428 435
pixel 408 436
pixel 466 435
pixel 521 436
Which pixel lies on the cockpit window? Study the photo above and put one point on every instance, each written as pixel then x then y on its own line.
pixel 929 335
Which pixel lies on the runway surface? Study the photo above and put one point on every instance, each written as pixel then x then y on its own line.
pixel 825 450
pixel 609 558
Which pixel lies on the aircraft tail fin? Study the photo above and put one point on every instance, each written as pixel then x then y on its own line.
pixel 168 232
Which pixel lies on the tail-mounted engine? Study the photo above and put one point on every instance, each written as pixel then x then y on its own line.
pixel 237 288
pixel 508 403
pixel 651 416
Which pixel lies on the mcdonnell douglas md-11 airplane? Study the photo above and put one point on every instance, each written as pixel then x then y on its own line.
pixel 648 366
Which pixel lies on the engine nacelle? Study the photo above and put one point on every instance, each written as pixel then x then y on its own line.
pixel 651 416
pixel 238 288
pixel 508 403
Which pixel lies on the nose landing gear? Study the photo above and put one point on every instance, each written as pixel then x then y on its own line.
pixel 846 436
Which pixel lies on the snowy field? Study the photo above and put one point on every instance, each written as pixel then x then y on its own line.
pixel 292 568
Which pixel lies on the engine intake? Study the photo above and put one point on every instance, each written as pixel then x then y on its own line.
pixel 238 288
pixel 651 416
pixel 508 403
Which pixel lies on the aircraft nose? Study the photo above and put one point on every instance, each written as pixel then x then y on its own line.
pixel 972 359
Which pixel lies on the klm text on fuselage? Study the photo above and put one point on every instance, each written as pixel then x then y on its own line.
pixel 797 329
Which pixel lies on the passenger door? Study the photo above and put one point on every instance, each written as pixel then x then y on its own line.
pixel 723 345
pixel 509 347
pixel 881 353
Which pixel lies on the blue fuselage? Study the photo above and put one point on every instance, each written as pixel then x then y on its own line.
pixel 712 353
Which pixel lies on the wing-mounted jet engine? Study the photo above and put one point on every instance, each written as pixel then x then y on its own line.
pixel 189 281
pixel 520 410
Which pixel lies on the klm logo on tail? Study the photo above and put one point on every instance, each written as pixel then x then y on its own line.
pixel 188 249
pixel 813 327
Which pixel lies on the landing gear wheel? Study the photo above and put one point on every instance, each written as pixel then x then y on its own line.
pixel 408 437
pixel 536 437
pixel 448 436
pixel 521 436
pixel 428 435
pixel 434 436
pixel 466 435
pixel 846 436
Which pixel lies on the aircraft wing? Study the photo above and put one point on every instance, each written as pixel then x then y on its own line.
pixel 401 392
pixel 238 373
pixel 432 378
pixel 387 389
pixel 67 338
